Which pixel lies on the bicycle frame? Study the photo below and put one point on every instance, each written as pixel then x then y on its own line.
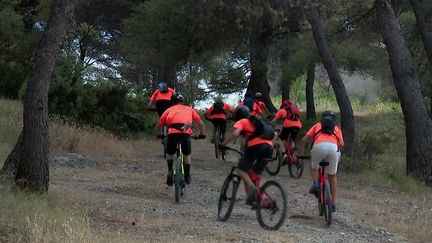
pixel 322 182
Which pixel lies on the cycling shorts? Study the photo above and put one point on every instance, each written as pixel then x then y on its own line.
pixel 179 138
pixel 255 158
pixel 328 152
pixel 221 123
pixel 289 132
pixel 162 105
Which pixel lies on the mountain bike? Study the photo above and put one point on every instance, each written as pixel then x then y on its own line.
pixel 323 195
pixel 218 137
pixel 295 167
pixel 178 172
pixel 271 204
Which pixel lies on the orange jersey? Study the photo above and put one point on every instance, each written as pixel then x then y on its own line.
pixel 226 107
pixel 282 114
pixel 248 128
pixel 262 105
pixel 179 114
pixel 256 111
pixel 319 137
pixel 157 95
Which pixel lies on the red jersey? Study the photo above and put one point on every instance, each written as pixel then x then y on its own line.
pixel 157 95
pixel 248 128
pixel 179 114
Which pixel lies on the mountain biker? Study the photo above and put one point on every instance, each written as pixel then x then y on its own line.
pixel 327 141
pixel 217 114
pixel 249 101
pixel 161 98
pixel 176 118
pixel 257 149
pixel 291 126
pixel 260 103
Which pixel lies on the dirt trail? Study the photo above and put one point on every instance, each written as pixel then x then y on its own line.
pixel 132 197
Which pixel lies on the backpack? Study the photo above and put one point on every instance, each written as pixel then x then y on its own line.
pixel 293 113
pixel 218 108
pixel 327 125
pixel 263 128
pixel 249 102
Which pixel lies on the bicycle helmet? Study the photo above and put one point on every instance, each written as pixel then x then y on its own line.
pixel 240 113
pixel 162 86
pixel 329 113
pixel 177 98
pixel 258 95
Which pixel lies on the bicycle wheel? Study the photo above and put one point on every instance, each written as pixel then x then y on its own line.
pixel 271 215
pixel 328 205
pixel 227 197
pixel 216 142
pixel 177 180
pixel 296 169
pixel 273 166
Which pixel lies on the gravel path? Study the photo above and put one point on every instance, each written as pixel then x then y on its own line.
pixel 132 198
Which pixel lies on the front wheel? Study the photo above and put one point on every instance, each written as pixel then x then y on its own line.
pixel 227 197
pixel 296 169
pixel 217 142
pixel 272 208
pixel 274 165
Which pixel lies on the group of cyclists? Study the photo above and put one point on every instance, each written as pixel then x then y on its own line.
pixel 249 127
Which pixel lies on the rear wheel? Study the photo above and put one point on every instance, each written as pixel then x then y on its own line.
pixel 165 139
pixel 217 142
pixel 271 211
pixel 177 180
pixel 296 169
pixel 274 165
pixel 327 205
pixel 227 197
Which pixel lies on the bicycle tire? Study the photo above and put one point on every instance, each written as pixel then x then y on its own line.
pixel 274 170
pixel 328 205
pixel 177 180
pixel 274 203
pixel 216 142
pixel 296 169
pixel 231 179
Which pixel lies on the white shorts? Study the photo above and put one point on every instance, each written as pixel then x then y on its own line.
pixel 328 152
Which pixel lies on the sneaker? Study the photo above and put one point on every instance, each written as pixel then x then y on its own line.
pixel 188 179
pixel 251 197
pixel 169 180
pixel 314 188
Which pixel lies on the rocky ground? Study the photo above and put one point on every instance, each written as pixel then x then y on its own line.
pixel 131 197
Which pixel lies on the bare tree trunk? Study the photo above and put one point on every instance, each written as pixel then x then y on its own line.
pixel 285 90
pixel 423 28
pixel 418 125
pixel 28 161
pixel 167 73
pixel 310 103
pixel 259 51
pixel 346 111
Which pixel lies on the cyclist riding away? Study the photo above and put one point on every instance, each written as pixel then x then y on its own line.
pixel 259 101
pixel 179 119
pixel 249 101
pixel 291 126
pixel 161 98
pixel 259 146
pixel 217 114
pixel 327 141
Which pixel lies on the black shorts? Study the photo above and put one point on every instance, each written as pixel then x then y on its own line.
pixel 179 138
pixel 258 154
pixel 289 132
pixel 219 122
pixel 162 105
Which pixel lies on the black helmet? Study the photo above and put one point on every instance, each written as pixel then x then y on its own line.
pixel 177 98
pixel 329 113
pixel 240 113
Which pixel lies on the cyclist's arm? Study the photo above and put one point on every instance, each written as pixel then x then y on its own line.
pixel 303 143
pixel 201 127
pixel 196 118
pixel 153 99
pixel 236 133
pixel 162 119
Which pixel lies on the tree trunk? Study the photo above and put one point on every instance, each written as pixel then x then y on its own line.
pixel 259 50
pixel 28 161
pixel 310 103
pixel 285 90
pixel 346 111
pixel 418 125
pixel 423 28
pixel 168 74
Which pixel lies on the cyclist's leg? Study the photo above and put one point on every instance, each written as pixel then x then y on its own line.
pixel 245 164
pixel 263 153
pixel 161 106
pixel 222 126
pixel 318 153
pixel 333 158
pixel 171 150
pixel 187 150
pixel 214 123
